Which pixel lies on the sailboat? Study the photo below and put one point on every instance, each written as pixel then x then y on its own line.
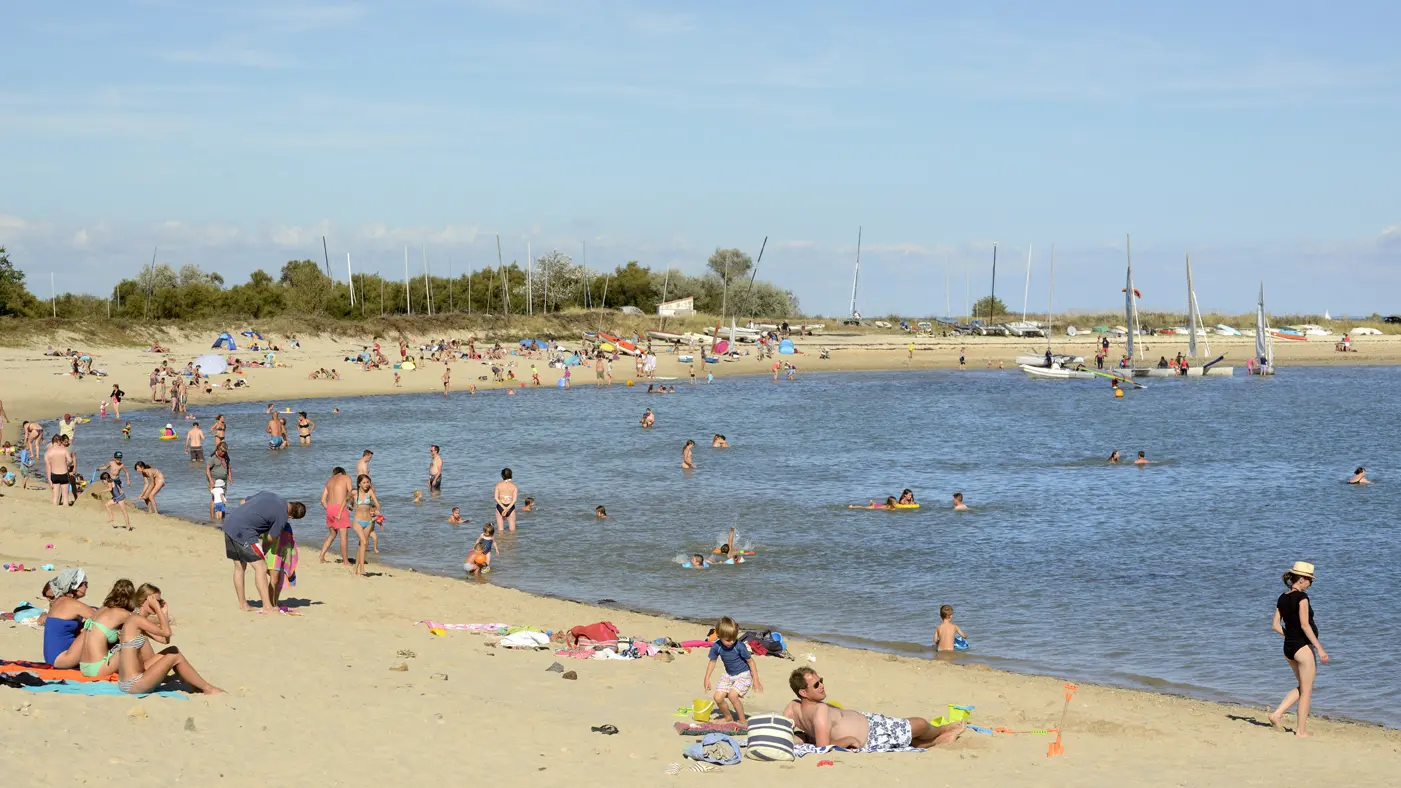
pixel 1196 329
pixel 1137 368
pixel 1058 368
pixel 854 319
pixel 1264 361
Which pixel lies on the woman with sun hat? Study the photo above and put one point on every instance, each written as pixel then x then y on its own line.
pixel 1294 620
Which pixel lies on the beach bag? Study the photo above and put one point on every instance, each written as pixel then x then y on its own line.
pixel 770 738
pixel 602 632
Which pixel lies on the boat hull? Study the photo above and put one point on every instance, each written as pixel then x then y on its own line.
pixel 1042 373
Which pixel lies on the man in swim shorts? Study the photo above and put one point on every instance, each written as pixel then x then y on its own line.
pixel 194 442
pixel 435 470
pixel 277 432
pixel 244 528
pixel 56 470
pixel 336 499
pixel 821 724
pixel 505 494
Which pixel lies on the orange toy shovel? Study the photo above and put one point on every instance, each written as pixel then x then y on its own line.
pixel 1056 748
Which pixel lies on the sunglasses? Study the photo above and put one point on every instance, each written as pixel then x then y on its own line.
pixel 818 685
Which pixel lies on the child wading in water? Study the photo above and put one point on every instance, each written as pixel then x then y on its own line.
pixel 486 544
pixel 740 671
pixel 947 632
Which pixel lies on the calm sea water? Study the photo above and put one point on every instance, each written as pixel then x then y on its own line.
pixel 1162 577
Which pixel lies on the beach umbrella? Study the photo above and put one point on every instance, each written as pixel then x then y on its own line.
pixel 211 364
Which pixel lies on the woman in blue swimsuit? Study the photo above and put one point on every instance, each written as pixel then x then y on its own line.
pixel 363 522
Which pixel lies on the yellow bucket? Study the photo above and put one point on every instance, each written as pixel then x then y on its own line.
pixel 956 714
pixel 701 709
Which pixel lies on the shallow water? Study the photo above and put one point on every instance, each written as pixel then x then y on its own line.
pixel 1162 577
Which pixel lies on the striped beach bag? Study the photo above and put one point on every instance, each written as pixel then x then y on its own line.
pixel 770 738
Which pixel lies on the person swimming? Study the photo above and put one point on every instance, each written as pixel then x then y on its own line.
pixel 1359 476
pixel 889 504
pixel 1142 460
pixel 697 561
pixel 907 497
pixel 456 517
pixel 600 513
pixel 1114 457
pixel 958 505
pixel 719 442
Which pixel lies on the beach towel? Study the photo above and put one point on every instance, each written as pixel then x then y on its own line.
pixel 282 556
pixel 602 632
pixel 50 673
pixel 479 628
pixel 100 688
pixel 525 640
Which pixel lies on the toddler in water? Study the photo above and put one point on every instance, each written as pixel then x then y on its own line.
pixel 126 431
pixel 477 560
pixel 947 634
pixel 456 517
pixel 529 505
pixel 740 671
pixel 600 512
pixel 697 561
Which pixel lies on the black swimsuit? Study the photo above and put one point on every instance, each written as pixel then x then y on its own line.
pixel 1294 637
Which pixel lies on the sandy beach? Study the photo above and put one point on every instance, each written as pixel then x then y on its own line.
pixel 312 698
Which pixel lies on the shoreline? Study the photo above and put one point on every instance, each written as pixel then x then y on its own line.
pixel 352 631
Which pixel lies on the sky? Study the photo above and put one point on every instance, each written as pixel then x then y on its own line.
pixel 234 134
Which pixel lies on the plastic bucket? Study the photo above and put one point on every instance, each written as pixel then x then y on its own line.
pixel 701 709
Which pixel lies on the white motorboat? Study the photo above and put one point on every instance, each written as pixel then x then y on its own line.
pixel 666 336
pixel 1063 359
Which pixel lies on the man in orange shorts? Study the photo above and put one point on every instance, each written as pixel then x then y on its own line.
pixel 335 498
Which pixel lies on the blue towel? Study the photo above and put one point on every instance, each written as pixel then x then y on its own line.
pixel 100 688
pixel 696 752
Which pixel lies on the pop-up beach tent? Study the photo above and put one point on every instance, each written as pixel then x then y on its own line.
pixel 225 340
pixel 212 364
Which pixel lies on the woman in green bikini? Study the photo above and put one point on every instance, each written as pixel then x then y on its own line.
pixel 366 507
pixel 97 656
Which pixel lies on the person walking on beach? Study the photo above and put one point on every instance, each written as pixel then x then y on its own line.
pixel 505 493
pixel 366 510
pixel 435 470
pixel 244 528
pixel 56 471
pixel 1293 620
pixel 335 499
pixel 194 442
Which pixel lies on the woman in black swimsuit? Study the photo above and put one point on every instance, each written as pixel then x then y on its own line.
pixel 117 395
pixel 1294 620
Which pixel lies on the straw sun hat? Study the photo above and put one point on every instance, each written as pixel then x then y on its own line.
pixel 1302 569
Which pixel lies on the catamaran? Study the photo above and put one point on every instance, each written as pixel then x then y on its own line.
pixel 1058 367
pixel 1195 328
pixel 1264 362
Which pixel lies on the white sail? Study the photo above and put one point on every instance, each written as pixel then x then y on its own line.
pixel 1262 353
pixel 1193 317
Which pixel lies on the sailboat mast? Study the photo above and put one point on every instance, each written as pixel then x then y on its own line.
pixel 992 302
pixel 1128 297
pixel 1026 291
pixel 408 284
pixel 1051 300
pixel 1193 315
pixel 856 277
pixel 351 280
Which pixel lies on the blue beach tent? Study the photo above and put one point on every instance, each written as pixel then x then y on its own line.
pixel 225 340
pixel 786 347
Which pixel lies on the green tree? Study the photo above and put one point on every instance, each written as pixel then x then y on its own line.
pixel 730 265
pixel 15 300
pixel 632 286
pixel 306 287
pixel 988 308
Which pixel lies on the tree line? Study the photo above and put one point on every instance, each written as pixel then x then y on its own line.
pixel 302 287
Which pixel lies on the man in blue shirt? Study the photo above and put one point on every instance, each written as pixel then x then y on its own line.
pixel 244 529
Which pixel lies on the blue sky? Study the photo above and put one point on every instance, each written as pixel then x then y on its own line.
pixel 1261 137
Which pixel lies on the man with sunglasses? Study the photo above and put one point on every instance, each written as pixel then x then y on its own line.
pixel 821 724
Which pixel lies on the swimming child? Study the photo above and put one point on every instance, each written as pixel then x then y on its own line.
pixel 947 631
pixel 600 512
pixel 697 561
pixel 740 671
pixel 907 497
pixel 1114 457
pixel 126 431
pixel 219 499
pixel 528 506
pixel 418 497
pixel 958 503
pixel 648 419
pixel 889 504
pixel 456 517
pixel 168 432
pixel 719 442
pixel 1359 476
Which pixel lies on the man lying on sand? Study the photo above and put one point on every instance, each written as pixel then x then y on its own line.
pixel 823 725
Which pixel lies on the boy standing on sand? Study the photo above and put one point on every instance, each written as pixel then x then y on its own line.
pixel 947 631
pixel 740 671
